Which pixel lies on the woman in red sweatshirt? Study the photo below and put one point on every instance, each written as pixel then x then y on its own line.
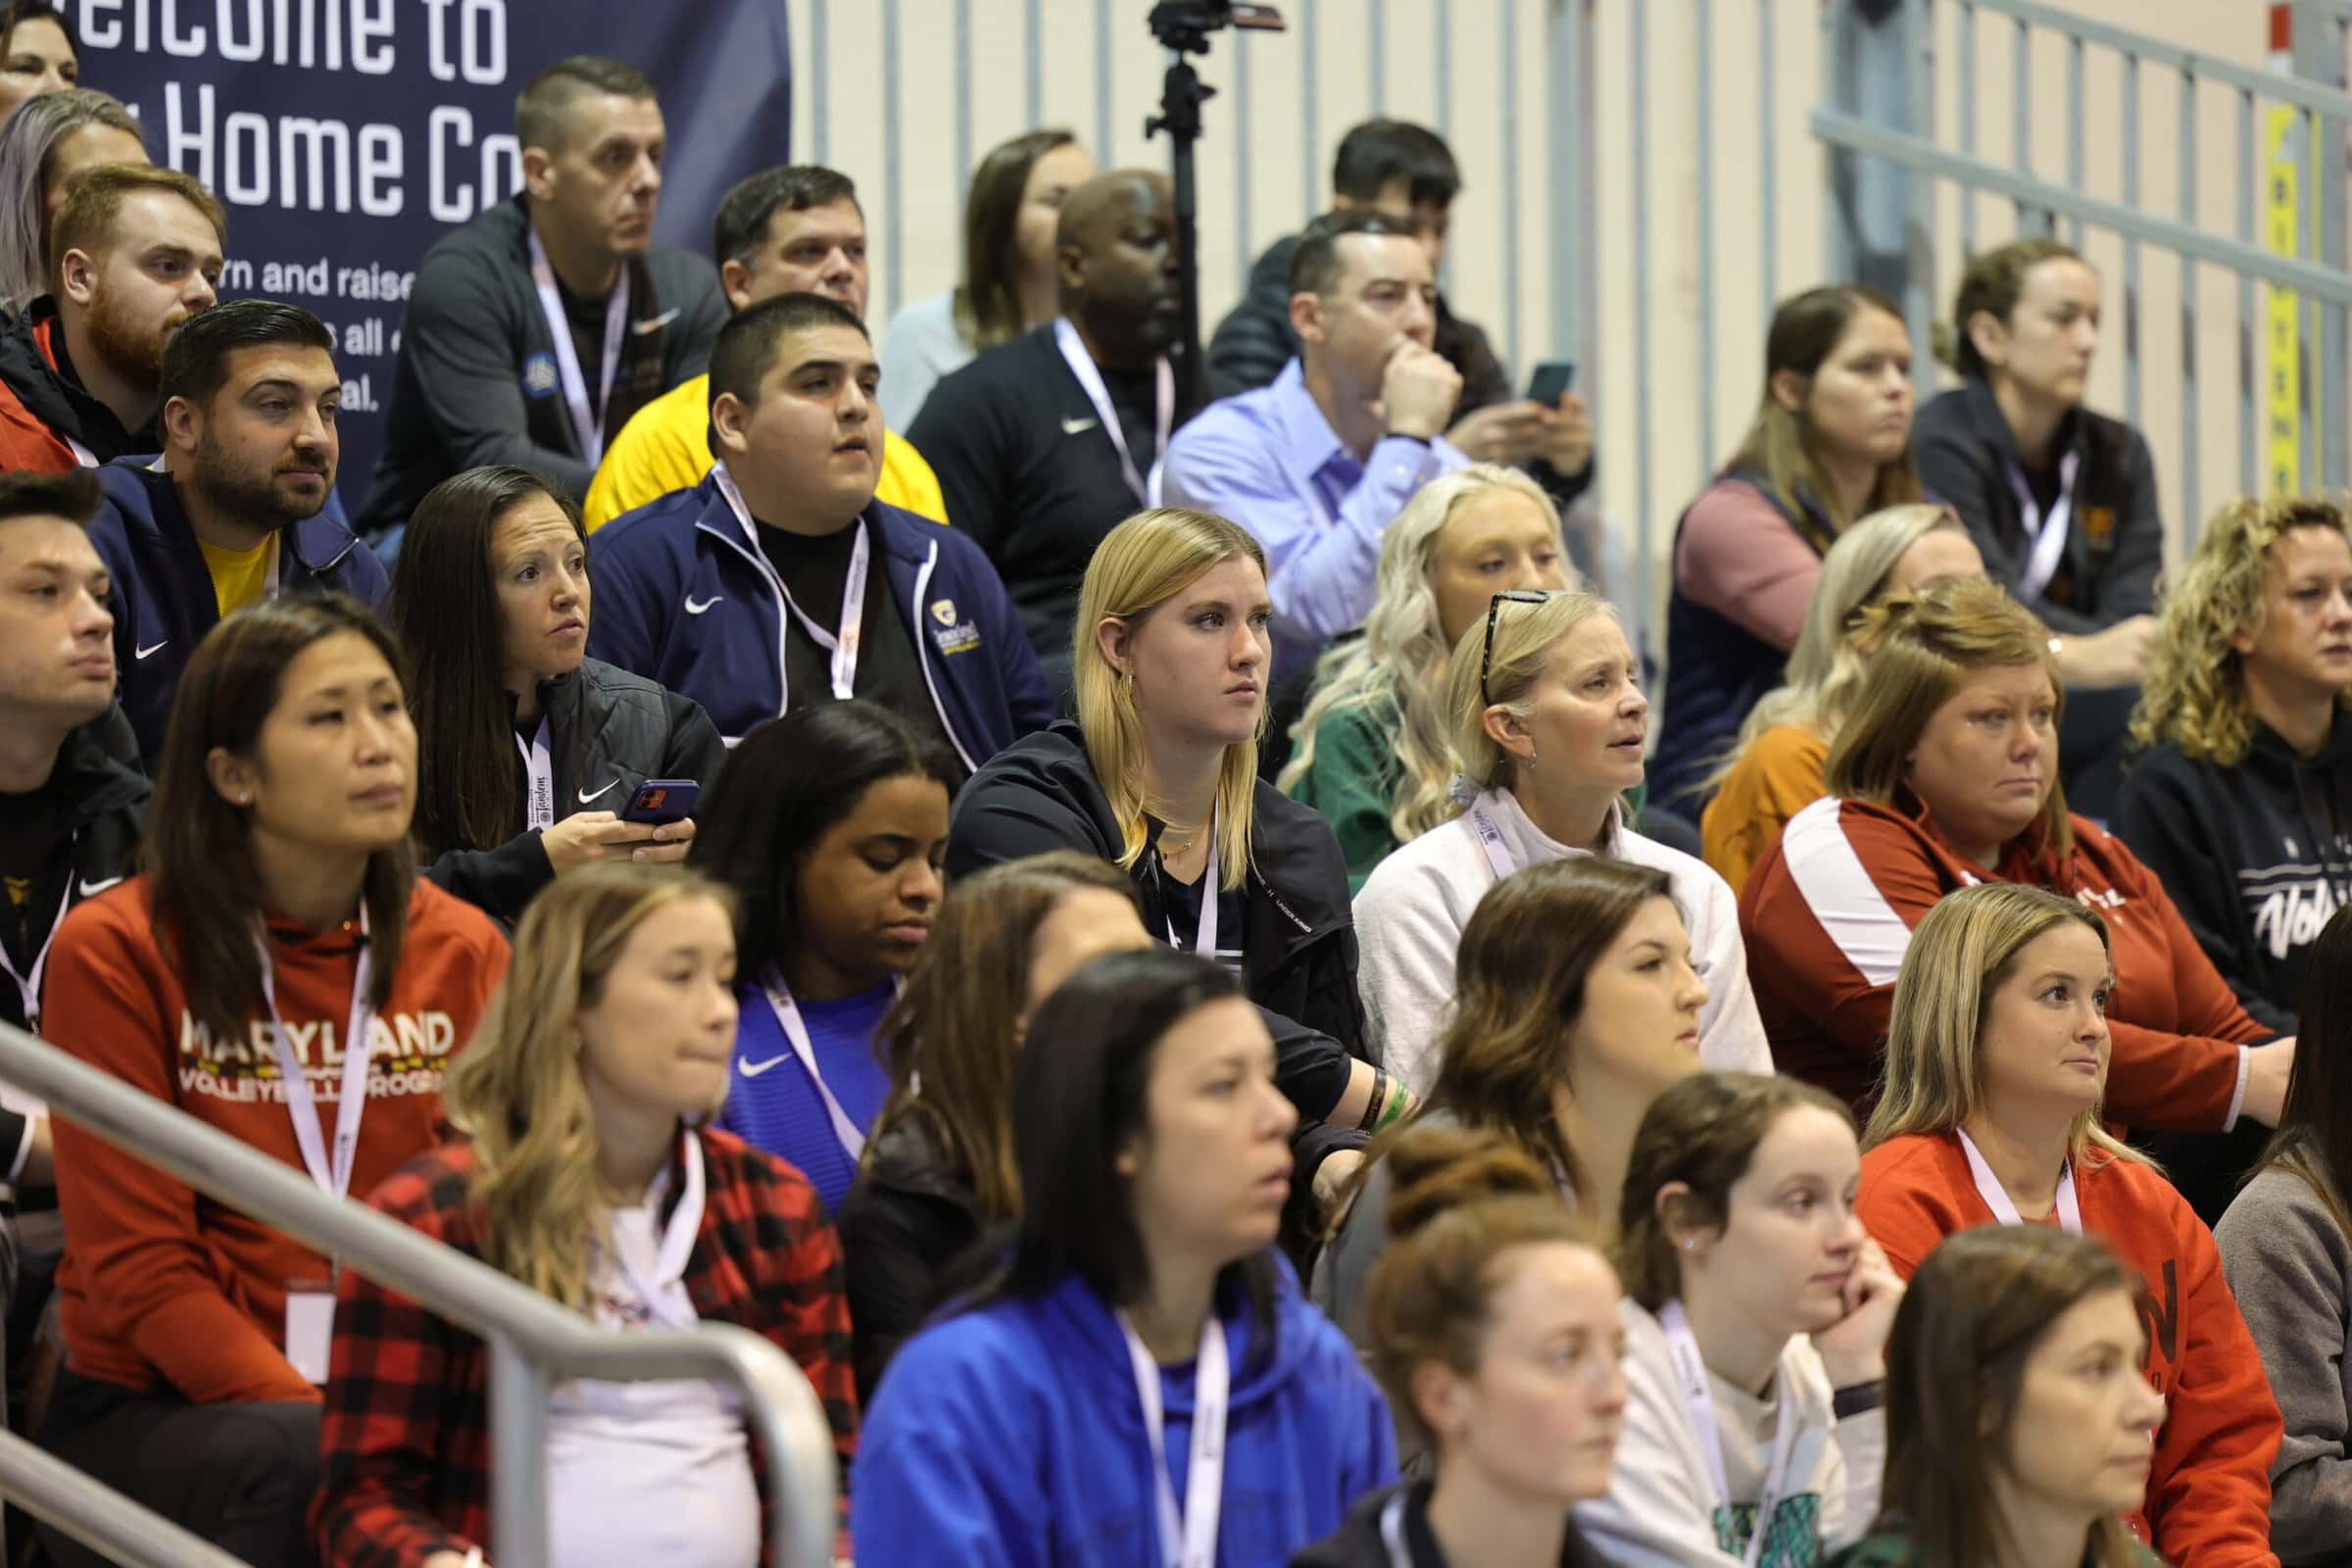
pixel 1996 1062
pixel 279 924
pixel 1943 776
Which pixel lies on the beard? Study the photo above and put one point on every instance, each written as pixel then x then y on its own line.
pixel 132 348
pixel 248 497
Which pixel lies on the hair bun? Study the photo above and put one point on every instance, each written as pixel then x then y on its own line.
pixel 1435 1169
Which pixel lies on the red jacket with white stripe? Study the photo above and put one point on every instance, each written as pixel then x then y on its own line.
pixel 1828 915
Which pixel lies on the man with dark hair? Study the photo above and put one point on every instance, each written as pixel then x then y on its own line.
pixel 138 251
pixel 787 230
pixel 231 514
pixel 1044 443
pixel 536 330
pixel 1408 172
pixel 780 579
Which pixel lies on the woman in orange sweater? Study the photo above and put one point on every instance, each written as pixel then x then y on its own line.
pixel 279 924
pixel 1996 1062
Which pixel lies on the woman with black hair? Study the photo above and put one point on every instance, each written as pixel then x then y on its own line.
pixel 830 825
pixel 529 751
pixel 1141 1281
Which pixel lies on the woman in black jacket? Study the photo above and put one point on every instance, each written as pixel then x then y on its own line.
pixel 529 751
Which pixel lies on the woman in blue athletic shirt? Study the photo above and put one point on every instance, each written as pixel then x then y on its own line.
pixel 830 825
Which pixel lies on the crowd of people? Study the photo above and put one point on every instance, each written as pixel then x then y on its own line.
pixel 1129 928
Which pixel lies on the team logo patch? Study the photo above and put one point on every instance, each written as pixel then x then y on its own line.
pixel 952 635
pixel 943 611
pixel 539 377
pixel 2099 523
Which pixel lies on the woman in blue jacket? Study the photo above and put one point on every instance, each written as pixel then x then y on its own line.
pixel 1139 1381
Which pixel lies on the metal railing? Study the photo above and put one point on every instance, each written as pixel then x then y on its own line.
pixel 532 1342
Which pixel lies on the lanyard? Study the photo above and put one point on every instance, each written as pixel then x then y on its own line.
pixel 788 1014
pixel 28 984
pixel 585 428
pixel 1499 857
pixel 81 455
pixel 1996 1198
pixel 1082 366
pixel 2047 533
pixel 677 1238
pixel 1691 1372
pixel 1391 1530
pixel 539 800
pixel 1192 1541
pixel 333 1180
pixel 844 644
pixel 1205 939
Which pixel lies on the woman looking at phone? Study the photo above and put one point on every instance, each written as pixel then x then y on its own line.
pixel 530 754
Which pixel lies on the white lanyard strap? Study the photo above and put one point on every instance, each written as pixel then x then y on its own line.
pixel 2047 533
pixel 1691 1373
pixel 1190 1540
pixel 1391 1530
pixel 81 455
pixel 1163 419
pixel 539 798
pixel 788 1015
pixel 585 425
pixel 1997 1196
pixel 1205 938
pixel 334 1179
pixel 28 984
pixel 1499 857
pixel 843 645
pixel 677 1238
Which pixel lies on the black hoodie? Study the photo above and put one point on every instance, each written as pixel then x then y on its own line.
pixel 38 379
pixel 2258 857
pixel 1358 1543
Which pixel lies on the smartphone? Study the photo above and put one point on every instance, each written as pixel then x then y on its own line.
pixel 661 799
pixel 1551 382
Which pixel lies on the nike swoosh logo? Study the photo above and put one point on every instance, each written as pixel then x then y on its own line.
pixel 692 609
pixel 654 323
pixel 1078 426
pixel 585 797
pixel 143 653
pixel 753 1069
pixel 90 888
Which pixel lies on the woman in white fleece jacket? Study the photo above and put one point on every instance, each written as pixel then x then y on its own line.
pixel 1549 726
pixel 1755 1316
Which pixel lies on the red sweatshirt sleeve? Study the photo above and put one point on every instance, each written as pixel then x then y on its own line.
pixel 153 1286
pixel 1909 1202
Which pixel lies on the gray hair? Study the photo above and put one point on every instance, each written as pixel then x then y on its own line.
pixel 27 142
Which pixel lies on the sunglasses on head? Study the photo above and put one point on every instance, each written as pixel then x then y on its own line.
pixel 1486 659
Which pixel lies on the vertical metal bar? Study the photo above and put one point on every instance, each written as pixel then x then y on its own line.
pixel 2192 502
pixel 2020 116
pixel 820 81
pixel 517 1393
pixel 1570 162
pixel 1033 67
pixel 1310 129
pixel 1639 16
pixel 1378 37
pixel 1441 23
pixel 963 99
pixel 2311 465
pixel 894 230
pixel 1243 253
pixel 1510 182
pixel 2074 128
pixel 1767 170
pixel 1105 150
pixel 1967 123
pixel 1920 277
pixel 1702 47
pixel 2319 57
pixel 2248 463
pixel 2130 245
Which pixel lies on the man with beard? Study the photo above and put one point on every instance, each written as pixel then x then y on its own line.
pixel 535 331
pixel 230 514
pixel 138 251
pixel 1044 444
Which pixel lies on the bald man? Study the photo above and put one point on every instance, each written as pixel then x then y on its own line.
pixel 1044 444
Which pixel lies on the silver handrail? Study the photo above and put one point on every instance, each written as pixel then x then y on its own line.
pixel 532 1342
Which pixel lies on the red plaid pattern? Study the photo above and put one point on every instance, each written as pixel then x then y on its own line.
pixel 404 1446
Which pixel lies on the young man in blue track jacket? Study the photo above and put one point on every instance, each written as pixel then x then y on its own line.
pixel 779 579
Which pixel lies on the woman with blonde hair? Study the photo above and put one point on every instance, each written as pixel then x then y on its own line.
pixel 1996 1069
pixel 1775 768
pixel 1944 775
pixel 1372 752
pixel 1158 775
pixel 2241 797
pixel 587 1169
pixel 1549 723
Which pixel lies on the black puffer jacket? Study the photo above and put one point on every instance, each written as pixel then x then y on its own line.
pixel 609 731
pixel 906 1221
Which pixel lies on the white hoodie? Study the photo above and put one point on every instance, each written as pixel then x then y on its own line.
pixel 1409 920
pixel 1660 1512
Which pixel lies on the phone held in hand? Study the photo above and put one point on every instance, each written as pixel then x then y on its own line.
pixel 1551 382
pixel 659 800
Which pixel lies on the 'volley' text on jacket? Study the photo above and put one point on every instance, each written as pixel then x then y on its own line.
pixel 681 599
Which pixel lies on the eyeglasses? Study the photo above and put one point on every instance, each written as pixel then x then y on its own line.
pixel 1485 658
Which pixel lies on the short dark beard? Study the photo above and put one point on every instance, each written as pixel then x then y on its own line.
pixel 254 502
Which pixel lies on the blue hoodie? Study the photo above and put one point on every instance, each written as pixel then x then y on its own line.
pixel 1010 1436
pixel 162 598
pixel 688 547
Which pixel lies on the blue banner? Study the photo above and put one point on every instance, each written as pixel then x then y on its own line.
pixel 347 137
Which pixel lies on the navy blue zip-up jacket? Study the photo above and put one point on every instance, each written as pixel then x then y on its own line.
pixel 688 546
pixel 163 598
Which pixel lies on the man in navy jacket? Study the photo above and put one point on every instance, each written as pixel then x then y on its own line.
pixel 779 579
pixel 230 514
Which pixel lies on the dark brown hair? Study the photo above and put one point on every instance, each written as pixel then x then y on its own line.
pixel 1805 331
pixel 988 302
pixel 207 891
pixel 445 604
pixel 956 1020
pixel 72 495
pixel 741 226
pixel 1991 286
pixel 1701 1131
pixel 1957 1355
pixel 2314 1139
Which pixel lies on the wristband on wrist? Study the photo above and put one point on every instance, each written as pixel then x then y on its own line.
pixel 1379 1099
pixel 1857 1397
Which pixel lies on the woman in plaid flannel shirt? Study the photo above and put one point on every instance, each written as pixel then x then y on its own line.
pixel 587 1167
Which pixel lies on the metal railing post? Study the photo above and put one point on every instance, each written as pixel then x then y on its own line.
pixel 2319 58
pixel 518 1397
pixel 1881 215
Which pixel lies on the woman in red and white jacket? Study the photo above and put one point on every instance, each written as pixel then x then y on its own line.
pixel 1944 777
pixel 1995 1065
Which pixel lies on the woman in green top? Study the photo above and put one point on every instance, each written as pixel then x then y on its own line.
pixel 1371 752
pixel 2019 1424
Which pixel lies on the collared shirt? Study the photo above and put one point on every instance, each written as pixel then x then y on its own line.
pixel 1272 462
